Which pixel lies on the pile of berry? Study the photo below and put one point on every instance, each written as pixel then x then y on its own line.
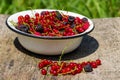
pixel 63 68
pixel 52 23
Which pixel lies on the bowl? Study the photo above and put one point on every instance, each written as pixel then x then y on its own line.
pixel 46 45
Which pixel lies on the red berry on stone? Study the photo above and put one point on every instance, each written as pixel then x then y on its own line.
pixel 53 72
pixel 79 68
pixel 63 65
pixel 54 67
pixel 68 69
pixel 83 64
pixel 43 72
pixel 63 71
pixel 41 65
pixel 93 64
pixel 98 62
pixel 72 65
pixel 46 62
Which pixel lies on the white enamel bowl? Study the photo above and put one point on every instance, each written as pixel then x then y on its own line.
pixel 47 45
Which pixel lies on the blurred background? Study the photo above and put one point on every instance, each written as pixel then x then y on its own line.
pixel 89 8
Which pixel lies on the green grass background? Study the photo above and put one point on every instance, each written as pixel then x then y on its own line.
pixel 89 8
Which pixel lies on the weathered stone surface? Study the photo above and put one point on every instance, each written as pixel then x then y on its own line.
pixel 103 42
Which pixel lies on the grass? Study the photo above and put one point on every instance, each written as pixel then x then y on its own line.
pixel 89 8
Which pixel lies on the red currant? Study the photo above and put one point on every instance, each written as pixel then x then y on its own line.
pixel 37 14
pixel 80 30
pixel 27 17
pixel 53 72
pixel 41 65
pixel 43 72
pixel 98 62
pixel 83 64
pixel 93 64
pixel 20 18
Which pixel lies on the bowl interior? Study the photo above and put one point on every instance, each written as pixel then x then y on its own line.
pixel 32 12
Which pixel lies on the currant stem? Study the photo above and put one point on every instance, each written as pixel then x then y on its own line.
pixel 60 58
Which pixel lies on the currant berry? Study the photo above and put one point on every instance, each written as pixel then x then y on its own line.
pixel 68 69
pixel 27 17
pixel 37 33
pixel 20 18
pixel 83 64
pixel 98 62
pixel 85 26
pixel 53 72
pixel 72 65
pixel 80 30
pixel 54 67
pixel 37 15
pixel 43 72
pixel 78 20
pixel 93 64
pixel 46 62
pixel 41 65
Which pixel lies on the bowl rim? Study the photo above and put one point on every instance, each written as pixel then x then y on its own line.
pixel 49 37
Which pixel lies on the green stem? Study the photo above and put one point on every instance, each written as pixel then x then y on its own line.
pixel 69 44
pixel 31 11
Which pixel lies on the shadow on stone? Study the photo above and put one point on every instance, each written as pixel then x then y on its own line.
pixel 88 46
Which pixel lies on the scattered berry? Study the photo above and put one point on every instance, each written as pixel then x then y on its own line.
pixel 43 72
pixel 93 64
pixel 98 62
pixel 63 68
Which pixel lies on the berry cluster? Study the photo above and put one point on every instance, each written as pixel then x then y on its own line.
pixel 52 23
pixel 63 68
